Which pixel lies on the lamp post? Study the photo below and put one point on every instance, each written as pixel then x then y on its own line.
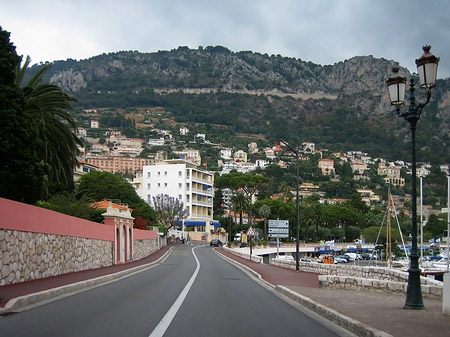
pixel 297 244
pixel 427 69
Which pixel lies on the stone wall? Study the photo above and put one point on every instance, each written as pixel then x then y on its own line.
pixel 26 256
pixel 363 284
pixel 365 272
pixel 143 248
pixel 364 278
pixel 255 258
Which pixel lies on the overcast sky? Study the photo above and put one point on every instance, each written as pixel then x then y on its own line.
pixel 321 31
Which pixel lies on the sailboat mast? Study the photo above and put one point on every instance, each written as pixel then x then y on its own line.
pixel 389 228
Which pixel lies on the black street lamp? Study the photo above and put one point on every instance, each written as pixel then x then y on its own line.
pixel 297 245
pixel 427 69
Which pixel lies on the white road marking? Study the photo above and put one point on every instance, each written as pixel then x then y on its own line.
pixel 167 319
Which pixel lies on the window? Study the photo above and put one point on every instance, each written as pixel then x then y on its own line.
pixel 187 186
pixel 148 197
pixel 159 184
pixel 149 186
pixel 179 185
pixel 187 197
pixel 180 197
pixel 180 173
pixel 159 173
pixel 165 184
pixel 165 173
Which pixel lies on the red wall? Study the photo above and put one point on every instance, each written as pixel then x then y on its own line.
pixel 139 234
pixel 22 217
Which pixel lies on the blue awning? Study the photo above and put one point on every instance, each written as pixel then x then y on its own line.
pixel 216 224
pixel 195 223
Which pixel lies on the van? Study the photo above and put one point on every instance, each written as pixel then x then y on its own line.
pixel 352 256
pixel 327 258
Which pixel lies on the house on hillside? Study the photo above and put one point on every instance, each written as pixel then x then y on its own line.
pixel 327 166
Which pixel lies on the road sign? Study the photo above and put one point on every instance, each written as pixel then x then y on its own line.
pixel 278 235
pixel 278 223
pixel 251 231
pixel 278 230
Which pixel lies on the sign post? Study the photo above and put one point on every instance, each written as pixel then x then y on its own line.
pixel 278 229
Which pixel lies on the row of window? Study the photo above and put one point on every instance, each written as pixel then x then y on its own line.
pixel 149 174
pixel 180 185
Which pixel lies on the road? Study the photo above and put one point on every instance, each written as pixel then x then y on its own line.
pixel 193 292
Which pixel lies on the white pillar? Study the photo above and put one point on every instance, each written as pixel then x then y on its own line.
pixel 446 295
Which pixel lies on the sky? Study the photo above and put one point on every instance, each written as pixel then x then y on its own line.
pixel 324 32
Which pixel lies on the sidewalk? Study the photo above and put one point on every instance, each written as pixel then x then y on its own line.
pixel 363 313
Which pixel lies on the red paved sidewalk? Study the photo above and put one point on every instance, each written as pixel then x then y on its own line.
pixel 277 275
pixel 10 291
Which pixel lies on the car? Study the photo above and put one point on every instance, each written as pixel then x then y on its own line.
pixel 340 259
pixel 304 259
pixel 216 243
pixel 285 257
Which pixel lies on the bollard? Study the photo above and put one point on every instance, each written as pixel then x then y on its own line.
pixel 446 295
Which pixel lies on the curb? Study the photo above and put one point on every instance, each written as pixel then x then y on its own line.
pixel 348 323
pixel 34 298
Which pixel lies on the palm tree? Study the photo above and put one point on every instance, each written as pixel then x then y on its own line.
pixel 240 204
pixel 47 105
pixel 285 190
pixel 265 212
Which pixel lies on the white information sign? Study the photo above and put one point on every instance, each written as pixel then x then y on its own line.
pixel 278 228
pixel 278 223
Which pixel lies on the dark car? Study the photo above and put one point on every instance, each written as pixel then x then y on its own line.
pixel 215 243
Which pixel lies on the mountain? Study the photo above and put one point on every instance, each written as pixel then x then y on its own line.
pixel 340 107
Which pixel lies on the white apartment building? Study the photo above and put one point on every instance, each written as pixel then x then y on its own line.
pixel 183 180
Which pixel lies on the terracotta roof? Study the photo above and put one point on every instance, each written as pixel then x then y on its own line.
pixel 104 204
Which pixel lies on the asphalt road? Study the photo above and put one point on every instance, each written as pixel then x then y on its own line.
pixel 193 292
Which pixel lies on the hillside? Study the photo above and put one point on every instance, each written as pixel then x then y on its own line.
pixel 341 107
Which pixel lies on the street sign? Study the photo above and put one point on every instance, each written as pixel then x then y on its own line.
pixel 278 230
pixel 278 235
pixel 251 231
pixel 278 223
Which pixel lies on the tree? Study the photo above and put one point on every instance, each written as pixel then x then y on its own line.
pixel 240 205
pixel 21 170
pixel 264 211
pixel 250 184
pixel 96 186
pixel 285 190
pixel 47 105
pixel 99 185
pixel 169 210
pixel 436 225
pixel 67 204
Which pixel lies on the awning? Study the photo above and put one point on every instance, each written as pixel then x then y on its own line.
pixel 216 224
pixel 195 223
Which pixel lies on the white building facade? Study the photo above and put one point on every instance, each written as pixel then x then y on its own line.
pixel 183 180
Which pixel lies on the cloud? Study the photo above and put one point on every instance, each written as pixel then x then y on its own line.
pixel 322 31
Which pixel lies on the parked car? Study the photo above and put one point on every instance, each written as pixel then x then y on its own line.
pixel 353 256
pixel 216 243
pixel 285 257
pixel 341 259
pixel 304 259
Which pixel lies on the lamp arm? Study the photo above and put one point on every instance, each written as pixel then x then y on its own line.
pixel 415 109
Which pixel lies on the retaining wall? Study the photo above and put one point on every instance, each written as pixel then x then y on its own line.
pixel 365 278
pixel 37 243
